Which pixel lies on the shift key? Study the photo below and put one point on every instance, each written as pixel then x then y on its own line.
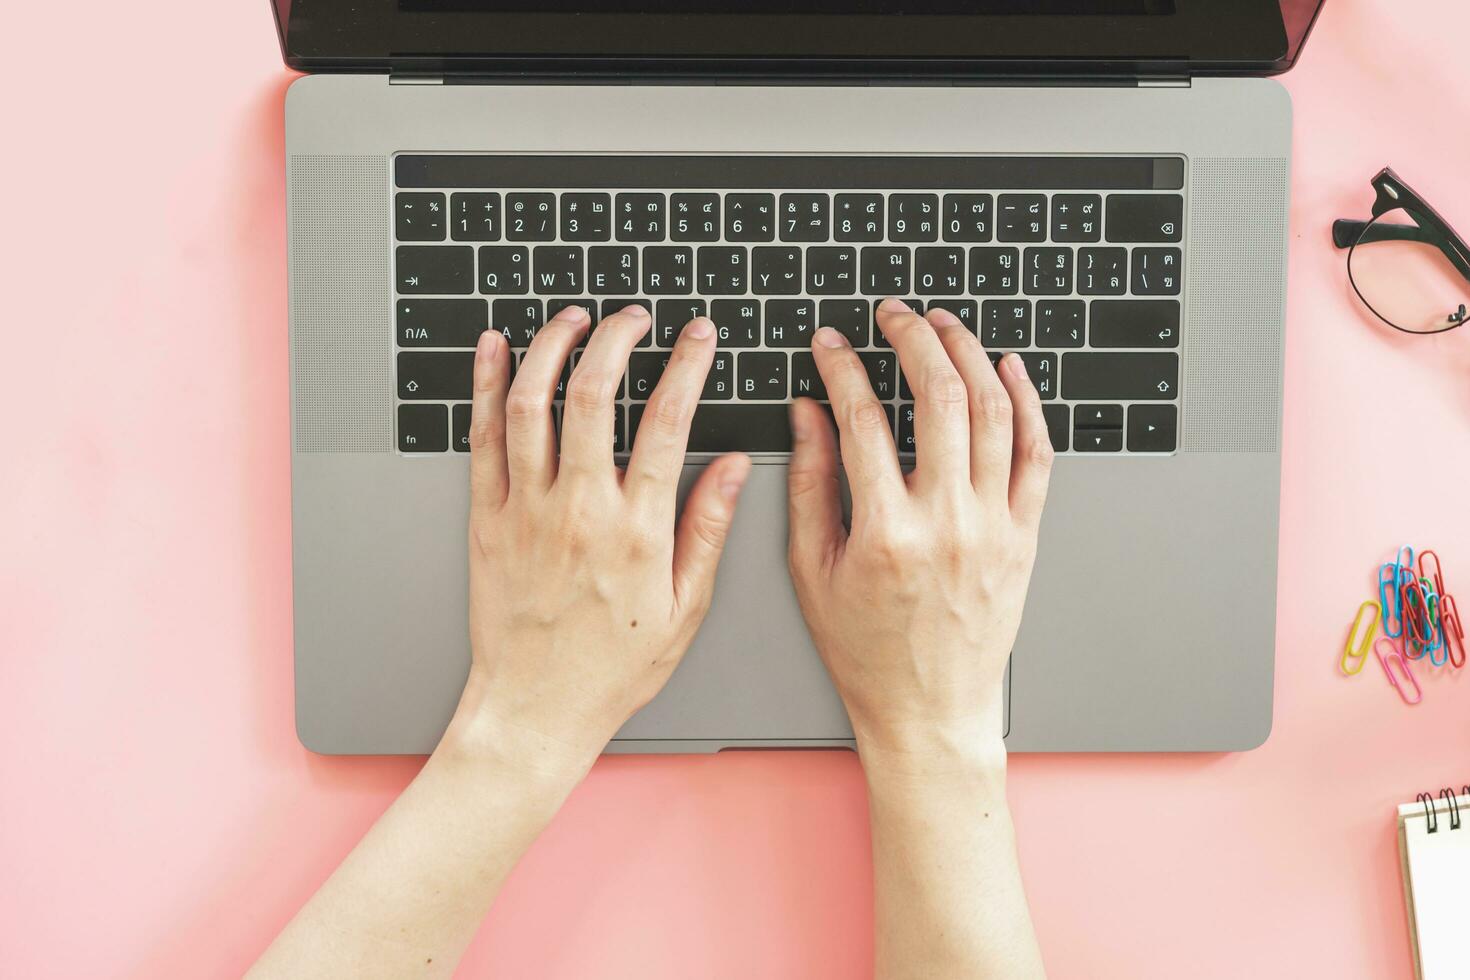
pixel 435 377
pixel 1089 376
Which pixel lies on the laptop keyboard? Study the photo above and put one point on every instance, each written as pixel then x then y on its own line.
pixel 1075 263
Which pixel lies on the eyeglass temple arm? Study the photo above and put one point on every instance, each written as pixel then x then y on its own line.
pixel 1346 233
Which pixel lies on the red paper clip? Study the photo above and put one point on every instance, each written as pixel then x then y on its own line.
pixel 1388 661
pixel 1437 576
pixel 1417 627
pixel 1453 630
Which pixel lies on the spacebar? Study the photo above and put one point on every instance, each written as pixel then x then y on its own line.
pixel 722 428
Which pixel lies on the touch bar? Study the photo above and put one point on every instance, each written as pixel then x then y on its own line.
pixel 794 172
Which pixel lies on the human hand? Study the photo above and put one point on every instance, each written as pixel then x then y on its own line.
pixel 915 609
pixel 583 597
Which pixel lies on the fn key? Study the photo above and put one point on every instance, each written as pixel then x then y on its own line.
pixel 423 428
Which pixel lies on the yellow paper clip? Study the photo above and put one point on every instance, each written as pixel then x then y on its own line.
pixel 1363 635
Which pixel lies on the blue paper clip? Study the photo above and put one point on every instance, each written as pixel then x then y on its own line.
pixel 1390 601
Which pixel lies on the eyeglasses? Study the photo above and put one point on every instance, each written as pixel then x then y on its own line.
pixel 1406 264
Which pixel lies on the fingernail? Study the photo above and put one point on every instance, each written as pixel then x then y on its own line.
pixel 893 305
pixel 700 328
pixel 635 309
pixel 828 337
pixel 941 317
pixel 732 484
pixel 490 344
pixel 571 314
pixel 1018 366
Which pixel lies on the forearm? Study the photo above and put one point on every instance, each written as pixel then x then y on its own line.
pixel 411 895
pixel 948 893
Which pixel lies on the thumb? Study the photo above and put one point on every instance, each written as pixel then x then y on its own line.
pixel 708 513
pixel 815 511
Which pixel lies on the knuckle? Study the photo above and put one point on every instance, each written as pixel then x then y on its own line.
pixel 866 415
pixel 665 413
pixel 943 384
pixel 522 404
pixel 1039 451
pixel 993 405
pixel 590 391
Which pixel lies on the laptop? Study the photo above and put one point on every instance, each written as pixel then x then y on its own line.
pixel 1099 184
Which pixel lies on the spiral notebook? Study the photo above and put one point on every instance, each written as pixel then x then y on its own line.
pixel 1434 850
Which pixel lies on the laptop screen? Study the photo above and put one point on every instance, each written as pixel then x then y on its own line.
pixel 815 38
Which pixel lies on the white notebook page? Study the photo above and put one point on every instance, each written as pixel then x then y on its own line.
pixel 1437 888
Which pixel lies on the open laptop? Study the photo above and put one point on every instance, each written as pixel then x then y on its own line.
pixel 1100 185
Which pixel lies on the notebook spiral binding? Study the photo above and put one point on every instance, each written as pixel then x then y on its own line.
pixel 1431 815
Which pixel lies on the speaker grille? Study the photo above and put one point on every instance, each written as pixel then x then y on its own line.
pixel 340 329
pixel 1237 295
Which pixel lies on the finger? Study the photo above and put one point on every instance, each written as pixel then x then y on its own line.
pixel 1031 466
pixel 663 433
pixel 941 418
pixel 530 440
pixel 813 504
pixel 587 417
pixel 708 511
pixel 990 405
pixel 867 449
pixel 489 481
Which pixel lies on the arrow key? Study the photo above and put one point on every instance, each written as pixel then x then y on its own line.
pixel 1097 440
pixel 1153 428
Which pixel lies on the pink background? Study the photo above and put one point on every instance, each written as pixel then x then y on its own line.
pixel 159 818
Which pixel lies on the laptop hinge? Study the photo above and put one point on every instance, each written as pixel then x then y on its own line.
pixel 399 78
pixel 1165 81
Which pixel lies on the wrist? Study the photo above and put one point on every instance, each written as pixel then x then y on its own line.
pixel 969 748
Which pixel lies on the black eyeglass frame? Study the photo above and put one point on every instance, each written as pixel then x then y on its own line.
pixel 1431 229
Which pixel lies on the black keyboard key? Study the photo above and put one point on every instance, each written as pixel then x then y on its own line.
pixel 859 218
pixel 882 372
pixel 459 439
pixel 1061 322
pixel 1057 426
pixel 612 269
pixel 696 217
pixel 530 217
pixel 1005 323
pixel 1098 416
pixel 719 384
pixel 1047 271
pixel 1102 271
pixel 1021 218
pixel 644 371
pixel 557 268
pixel 849 317
pixel 721 428
pixel 831 270
pixel 611 306
pixel 775 271
pixel 640 217
pixel 939 271
pixel 913 217
pixel 738 322
pixel 424 376
pixel 885 270
pixel 672 316
pixel 968 217
pixel 750 217
pixel 668 270
pixel 1156 271
pixel 620 440
pixel 906 441
pixel 504 269
pixel 967 311
pixel 423 429
pixel 474 217
pixel 586 217
pixel 418 217
pixel 1098 440
pixel 441 322
pixel 555 306
pixel 790 322
pixel 1135 323
pixel 762 376
pixel 1076 218
pixel 1120 377
pixel 436 269
pixel 723 270
pixel 806 380
pixel 994 272
pixel 805 218
pixel 917 305
pixel 1042 370
pixel 517 319
pixel 1145 218
pixel 1153 428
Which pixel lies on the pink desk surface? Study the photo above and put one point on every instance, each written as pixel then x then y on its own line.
pixel 158 817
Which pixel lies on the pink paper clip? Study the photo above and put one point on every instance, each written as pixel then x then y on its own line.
pixel 1394 655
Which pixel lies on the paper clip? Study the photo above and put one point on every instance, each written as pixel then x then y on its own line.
pixel 1358 652
pixel 1388 661
pixel 1399 562
pixel 1416 611
pixel 1390 602
pixel 1437 575
pixel 1453 630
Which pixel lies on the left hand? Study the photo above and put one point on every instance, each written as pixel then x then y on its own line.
pixel 583 594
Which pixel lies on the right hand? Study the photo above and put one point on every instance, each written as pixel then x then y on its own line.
pixel 915 608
